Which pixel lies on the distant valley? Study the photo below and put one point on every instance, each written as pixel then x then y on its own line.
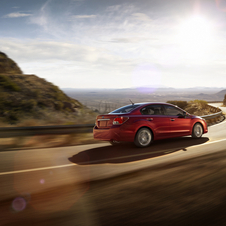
pixel 109 99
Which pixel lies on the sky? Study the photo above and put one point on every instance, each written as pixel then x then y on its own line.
pixel 117 44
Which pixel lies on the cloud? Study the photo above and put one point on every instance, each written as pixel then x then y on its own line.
pixel 113 8
pixel 16 15
pixel 83 16
pixel 141 16
pixel 67 64
pixel 72 22
pixel 126 40
pixel 49 51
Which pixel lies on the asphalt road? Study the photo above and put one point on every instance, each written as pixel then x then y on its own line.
pixel 29 179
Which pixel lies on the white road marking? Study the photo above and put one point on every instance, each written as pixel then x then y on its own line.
pixel 73 164
pixel 36 169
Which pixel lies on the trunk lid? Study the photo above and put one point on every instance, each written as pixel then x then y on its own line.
pixel 105 121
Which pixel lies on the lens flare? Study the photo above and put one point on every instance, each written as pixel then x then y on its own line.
pixel 42 181
pixel 221 5
pixel 19 204
pixel 196 39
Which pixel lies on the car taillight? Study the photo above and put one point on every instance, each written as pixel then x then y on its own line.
pixel 120 120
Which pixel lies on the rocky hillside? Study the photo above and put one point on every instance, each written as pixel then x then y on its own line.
pixel 8 66
pixel 28 96
pixel 221 94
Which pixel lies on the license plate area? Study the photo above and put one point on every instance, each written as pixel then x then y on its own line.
pixel 103 122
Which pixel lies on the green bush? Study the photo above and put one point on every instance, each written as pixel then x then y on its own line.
pixel 59 106
pixel 41 104
pixel 57 93
pixel 28 105
pixel 7 83
pixel 3 97
pixel 37 93
pixel 12 117
pixel 68 110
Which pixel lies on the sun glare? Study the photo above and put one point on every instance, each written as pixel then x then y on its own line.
pixel 196 37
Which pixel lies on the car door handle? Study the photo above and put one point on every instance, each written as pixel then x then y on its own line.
pixel 172 119
pixel 149 119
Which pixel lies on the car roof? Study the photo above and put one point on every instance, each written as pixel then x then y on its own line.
pixel 147 103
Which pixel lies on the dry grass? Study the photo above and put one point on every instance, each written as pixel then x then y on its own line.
pixel 4 124
pixel 49 117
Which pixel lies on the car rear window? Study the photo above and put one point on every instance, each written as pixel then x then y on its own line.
pixel 125 109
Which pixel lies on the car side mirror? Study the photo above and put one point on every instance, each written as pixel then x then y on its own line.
pixel 185 114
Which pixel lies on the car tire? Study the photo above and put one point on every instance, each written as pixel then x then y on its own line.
pixel 143 138
pixel 197 131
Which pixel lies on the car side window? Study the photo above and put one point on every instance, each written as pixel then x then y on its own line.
pixel 173 111
pixel 152 110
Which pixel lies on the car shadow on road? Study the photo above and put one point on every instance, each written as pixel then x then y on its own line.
pixel 129 153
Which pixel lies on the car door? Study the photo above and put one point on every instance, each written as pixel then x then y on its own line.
pixel 154 117
pixel 180 125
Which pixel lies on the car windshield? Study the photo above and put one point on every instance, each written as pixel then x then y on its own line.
pixel 125 109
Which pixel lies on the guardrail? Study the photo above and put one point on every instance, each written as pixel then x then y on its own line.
pixel 212 116
pixel 217 116
pixel 7 132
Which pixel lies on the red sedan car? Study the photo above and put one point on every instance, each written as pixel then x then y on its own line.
pixel 142 123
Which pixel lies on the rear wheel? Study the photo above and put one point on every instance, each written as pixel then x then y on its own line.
pixel 143 137
pixel 197 130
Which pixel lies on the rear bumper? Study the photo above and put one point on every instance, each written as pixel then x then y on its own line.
pixel 116 133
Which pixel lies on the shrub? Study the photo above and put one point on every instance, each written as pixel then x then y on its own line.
pixel 59 106
pixel 7 83
pixel 3 97
pixel 28 105
pixel 37 93
pixel 68 110
pixel 201 103
pixel 41 104
pixel 12 117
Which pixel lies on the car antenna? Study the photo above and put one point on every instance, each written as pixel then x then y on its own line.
pixel 131 102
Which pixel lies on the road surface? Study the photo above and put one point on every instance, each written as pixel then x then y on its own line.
pixel 42 184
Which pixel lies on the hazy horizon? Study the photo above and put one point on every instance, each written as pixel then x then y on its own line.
pixel 163 87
